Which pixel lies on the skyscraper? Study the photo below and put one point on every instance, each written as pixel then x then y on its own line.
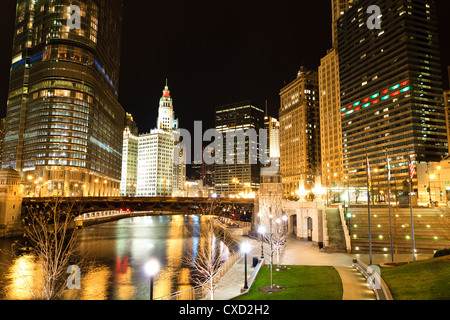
pixel 236 177
pixel 300 133
pixel 158 174
pixel 155 164
pixel 272 126
pixel 332 168
pixel 338 8
pixel 128 181
pixel 64 122
pixel 2 136
pixel 391 88
pixel 447 108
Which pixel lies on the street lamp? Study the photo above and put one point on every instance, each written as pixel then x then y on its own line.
pixel 261 231
pixel 245 247
pixel 151 269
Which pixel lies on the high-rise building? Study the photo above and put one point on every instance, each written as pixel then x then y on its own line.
pixel 332 172
pixel 332 166
pixel 128 181
pixel 272 125
pixel 64 122
pixel 236 177
pixel 391 89
pixel 300 133
pixel 338 8
pixel 130 124
pixel 447 108
pixel 158 175
pixel 2 136
pixel 155 164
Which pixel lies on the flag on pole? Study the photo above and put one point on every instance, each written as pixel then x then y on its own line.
pixel 412 170
pixel 369 179
pixel 388 168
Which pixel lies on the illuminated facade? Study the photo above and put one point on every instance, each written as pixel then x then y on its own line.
pixel 447 108
pixel 300 133
pixel 238 177
pixel 272 126
pixel 447 113
pixel 128 182
pixel 158 175
pixel 64 122
pixel 338 8
pixel 391 90
pixel 155 164
pixel 332 167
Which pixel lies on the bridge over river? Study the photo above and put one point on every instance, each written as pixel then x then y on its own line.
pixel 236 207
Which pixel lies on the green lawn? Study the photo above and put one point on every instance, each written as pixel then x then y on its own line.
pixel 420 280
pixel 301 282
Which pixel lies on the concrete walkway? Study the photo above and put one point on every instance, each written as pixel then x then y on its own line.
pixel 232 282
pixel 298 253
pixel 306 254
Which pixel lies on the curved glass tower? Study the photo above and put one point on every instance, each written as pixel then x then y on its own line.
pixel 64 122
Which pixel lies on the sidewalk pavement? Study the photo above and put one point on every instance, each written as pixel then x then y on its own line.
pixel 232 282
pixel 297 252
pixel 300 252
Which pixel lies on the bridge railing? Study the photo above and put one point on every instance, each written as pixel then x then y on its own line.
pixel 106 214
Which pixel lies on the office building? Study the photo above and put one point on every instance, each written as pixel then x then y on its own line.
pixel 234 178
pixel 158 175
pixel 155 164
pixel 447 108
pixel 391 90
pixel 332 166
pixel 300 133
pixel 64 122
pixel 2 136
pixel 128 181
pixel 332 171
pixel 272 125
pixel 338 8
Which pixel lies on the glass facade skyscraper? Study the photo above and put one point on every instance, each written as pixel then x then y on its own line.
pixel 391 89
pixel 236 177
pixel 64 122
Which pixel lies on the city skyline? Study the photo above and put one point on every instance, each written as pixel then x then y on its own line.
pixel 316 135
pixel 232 56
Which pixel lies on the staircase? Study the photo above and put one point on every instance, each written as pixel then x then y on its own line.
pixel 335 232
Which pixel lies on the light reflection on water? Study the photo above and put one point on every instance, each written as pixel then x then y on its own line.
pixel 113 255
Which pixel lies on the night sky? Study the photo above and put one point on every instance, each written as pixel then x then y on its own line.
pixel 213 53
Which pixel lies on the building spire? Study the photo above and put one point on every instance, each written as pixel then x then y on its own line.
pixel 166 91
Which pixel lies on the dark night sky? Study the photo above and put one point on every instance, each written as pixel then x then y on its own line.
pixel 212 52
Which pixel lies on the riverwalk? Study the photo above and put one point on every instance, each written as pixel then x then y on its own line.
pixel 304 253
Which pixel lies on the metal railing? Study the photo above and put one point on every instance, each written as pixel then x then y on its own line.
pixel 380 289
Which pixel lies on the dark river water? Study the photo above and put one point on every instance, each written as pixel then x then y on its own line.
pixel 114 255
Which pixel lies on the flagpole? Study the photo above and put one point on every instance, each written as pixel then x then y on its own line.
pixel 389 203
pixel 410 208
pixel 368 208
